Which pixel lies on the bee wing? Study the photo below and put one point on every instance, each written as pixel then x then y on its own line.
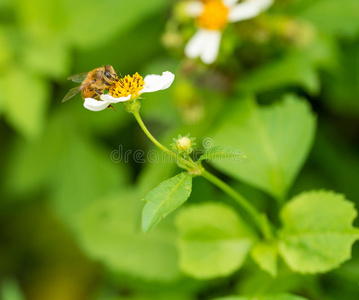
pixel 72 93
pixel 75 90
pixel 79 78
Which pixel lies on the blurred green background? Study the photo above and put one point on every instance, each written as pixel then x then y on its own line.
pixel 70 216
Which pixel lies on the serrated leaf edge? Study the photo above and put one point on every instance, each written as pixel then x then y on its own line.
pixel 150 226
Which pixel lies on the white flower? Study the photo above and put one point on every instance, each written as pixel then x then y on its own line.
pixel 212 17
pixel 130 88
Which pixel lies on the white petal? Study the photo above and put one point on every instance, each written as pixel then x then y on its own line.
pixel 210 52
pixel 264 4
pixel 196 44
pixel 204 44
pixel 108 98
pixel 155 83
pixel 193 8
pixel 248 9
pixel 95 105
pixel 229 3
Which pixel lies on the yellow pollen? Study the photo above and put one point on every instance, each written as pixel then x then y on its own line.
pixel 128 85
pixel 214 15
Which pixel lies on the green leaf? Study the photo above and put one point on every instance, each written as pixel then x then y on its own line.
pixel 119 17
pixel 285 281
pixel 265 255
pixel 223 154
pixel 77 22
pixel 293 69
pixel 10 290
pixel 317 232
pixel 50 57
pixel 342 86
pixel 213 242
pixel 333 16
pixel 25 108
pixel 87 174
pixel 110 232
pixel 269 297
pixel 74 169
pixel 40 18
pixel 275 138
pixel 6 51
pixel 164 199
pixel 232 298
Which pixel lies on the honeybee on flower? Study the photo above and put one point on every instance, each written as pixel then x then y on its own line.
pixel 212 16
pixel 129 88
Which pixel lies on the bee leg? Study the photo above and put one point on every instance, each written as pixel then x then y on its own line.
pixel 111 106
pixel 108 84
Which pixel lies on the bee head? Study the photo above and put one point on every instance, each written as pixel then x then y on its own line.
pixel 109 73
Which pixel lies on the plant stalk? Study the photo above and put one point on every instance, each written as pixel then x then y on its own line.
pixel 256 216
pixel 260 220
pixel 183 162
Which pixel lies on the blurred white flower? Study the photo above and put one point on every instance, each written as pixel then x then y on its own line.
pixel 130 88
pixel 212 16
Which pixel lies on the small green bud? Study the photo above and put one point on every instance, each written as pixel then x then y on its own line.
pixel 183 145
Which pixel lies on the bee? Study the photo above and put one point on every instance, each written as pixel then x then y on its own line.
pixel 93 83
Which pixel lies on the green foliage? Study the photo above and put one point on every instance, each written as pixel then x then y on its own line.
pixel 80 167
pixel 118 17
pixel 62 147
pixel 334 17
pixel 48 57
pixel 297 67
pixel 276 140
pixel 10 291
pixel 266 256
pixel 223 153
pixel 164 199
pixel 66 19
pixel 294 69
pixel 110 232
pixel 269 297
pixel 17 104
pixel 5 53
pixel 214 241
pixel 317 232
pixel 342 87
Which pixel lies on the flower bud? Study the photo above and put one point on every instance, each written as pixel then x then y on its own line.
pixel 183 145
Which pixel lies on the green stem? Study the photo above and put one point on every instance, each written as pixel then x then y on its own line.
pixel 260 220
pixel 150 136
pixel 257 217
pixel 182 161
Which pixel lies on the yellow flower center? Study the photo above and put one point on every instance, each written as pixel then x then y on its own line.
pixel 128 85
pixel 214 15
